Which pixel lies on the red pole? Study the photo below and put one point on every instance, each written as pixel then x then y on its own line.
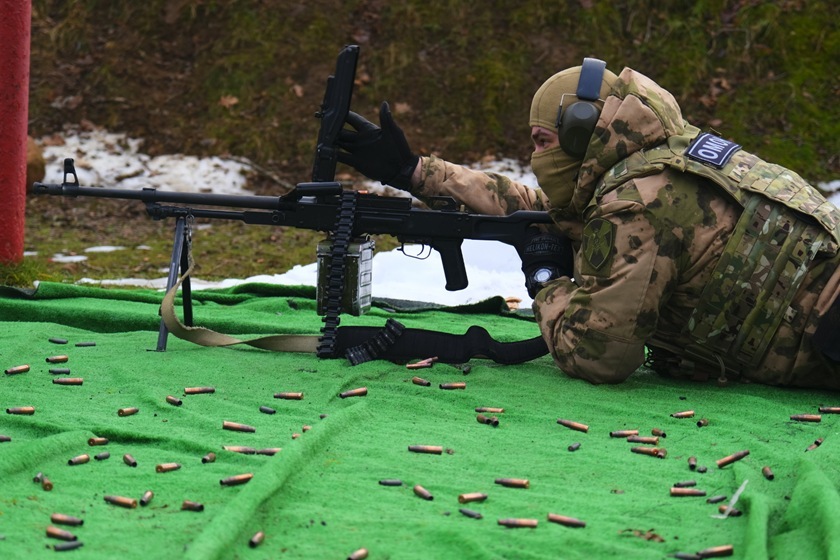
pixel 15 29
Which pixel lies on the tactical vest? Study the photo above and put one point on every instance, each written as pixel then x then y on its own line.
pixel 784 225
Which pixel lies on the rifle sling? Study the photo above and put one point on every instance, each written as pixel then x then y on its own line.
pixel 361 344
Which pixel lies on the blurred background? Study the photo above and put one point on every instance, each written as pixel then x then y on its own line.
pixel 243 79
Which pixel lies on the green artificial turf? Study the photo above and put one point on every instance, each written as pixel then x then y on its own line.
pixel 320 496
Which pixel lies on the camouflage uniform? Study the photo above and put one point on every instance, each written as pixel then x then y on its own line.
pixel 648 243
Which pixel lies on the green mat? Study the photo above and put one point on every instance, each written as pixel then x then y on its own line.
pixel 321 497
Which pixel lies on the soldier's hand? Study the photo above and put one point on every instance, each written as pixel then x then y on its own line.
pixel 378 152
pixel 545 257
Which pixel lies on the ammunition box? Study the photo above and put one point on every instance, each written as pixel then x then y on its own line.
pixel 358 271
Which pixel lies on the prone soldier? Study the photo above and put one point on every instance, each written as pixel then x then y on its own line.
pixel 690 254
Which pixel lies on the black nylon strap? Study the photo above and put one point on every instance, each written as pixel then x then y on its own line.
pixel 420 343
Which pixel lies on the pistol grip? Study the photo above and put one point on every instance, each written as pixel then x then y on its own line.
pixel 453 263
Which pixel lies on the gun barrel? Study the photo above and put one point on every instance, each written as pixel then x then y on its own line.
pixel 150 195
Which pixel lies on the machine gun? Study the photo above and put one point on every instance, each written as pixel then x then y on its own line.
pixel 347 216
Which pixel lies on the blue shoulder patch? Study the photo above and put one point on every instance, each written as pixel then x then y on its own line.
pixel 712 149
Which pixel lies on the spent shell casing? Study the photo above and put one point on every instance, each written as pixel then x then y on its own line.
pixel 68 381
pixel 189 505
pixel 257 539
pixel 566 520
pixel 121 501
pixel 240 449
pixel 692 463
pixel 391 482
pixel 514 482
pixel 490 409
pixel 729 459
pixel 658 433
pixel 305 428
pixel 730 511
pixel 572 425
pixel 236 480
pixel 199 390
pixel 209 458
pixel 146 498
pixel 175 401
pixel 267 410
pixel 650 440
pixel 56 340
pixel 21 410
pixel 806 417
pixel 60 371
pixel 470 513
pixel 97 441
pixel 38 477
pixel 423 493
pixel 683 414
pixel 236 427
pixel 61 534
pixel 58 359
pixel 62 519
pixel 359 554
pixel 85 344
pixel 79 459
pixel 490 420
pixel 767 472
pixel 433 449
pixel 427 363
pixel 167 467
pixel 817 443
pixel 269 451
pixel 456 385
pixel 716 499
pixel 17 369
pixel 289 396
pixel 5 438
pixel 716 551
pixel 68 545
pixel 685 484
pixel 623 433
pixel 102 456
pixel 677 491
pixel 574 447
pixel 129 460
pixel 829 410
pixel 471 497
pixel 420 381
pixel 652 451
pixel 128 411
pixel 702 422
pixel 518 522
pixel 359 392
pixel 46 484
pixel 701 469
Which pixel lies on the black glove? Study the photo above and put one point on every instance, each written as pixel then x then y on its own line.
pixel 378 153
pixel 545 256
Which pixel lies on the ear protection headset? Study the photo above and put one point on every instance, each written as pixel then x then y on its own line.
pixel 576 123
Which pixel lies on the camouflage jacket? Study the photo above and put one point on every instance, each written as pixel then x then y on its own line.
pixel 646 247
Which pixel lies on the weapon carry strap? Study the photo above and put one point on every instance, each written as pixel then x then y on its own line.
pixel 360 344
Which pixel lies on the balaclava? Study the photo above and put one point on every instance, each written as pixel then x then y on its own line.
pixel 554 168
